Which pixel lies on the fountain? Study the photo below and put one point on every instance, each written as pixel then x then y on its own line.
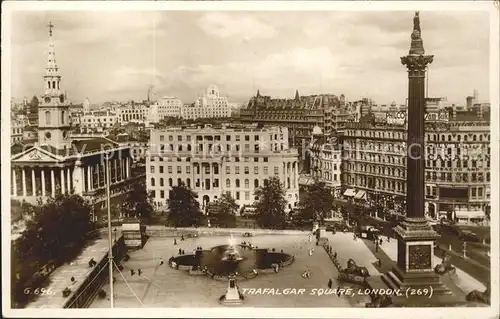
pixel 232 260
pixel 231 254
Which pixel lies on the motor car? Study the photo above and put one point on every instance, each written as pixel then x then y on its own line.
pixel 467 235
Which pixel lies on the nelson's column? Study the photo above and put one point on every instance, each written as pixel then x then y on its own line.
pixel 415 267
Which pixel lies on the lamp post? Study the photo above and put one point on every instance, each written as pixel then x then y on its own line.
pixel 110 253
pixel 114 230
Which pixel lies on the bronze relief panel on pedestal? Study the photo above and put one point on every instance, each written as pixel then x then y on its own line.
pixel 419 257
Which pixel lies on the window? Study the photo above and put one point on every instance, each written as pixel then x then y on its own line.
pixel 266 171
pixel 247 138
pixel 256 170
pixel 169 169
pixel 256 183
pixel 179 182
pixel 228 170
pixel 247 170
pixel 188 169
pixel 162 194
pixel 188 182
pixel 161 169
pixel 247 183
pixel 170 182
pixel 47 118
pixel 265 159
pixel 152 182
pixel 228 183
pixel 237 170
pixel 161 181
pixel 179 170
pixel 276 170
pixel 237 195
pixel 256 159
pixel 247 195
pixel 62 117
pixel 237 182
pixel 152 169
pixel 162 138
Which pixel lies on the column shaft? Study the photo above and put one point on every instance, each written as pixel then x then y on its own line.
pixel 33 182
pixel 42 176
pixel 14 181
pixel 52 182
pixel 63 188
pixel 23 170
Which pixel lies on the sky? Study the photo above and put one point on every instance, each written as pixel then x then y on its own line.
pixel 108 56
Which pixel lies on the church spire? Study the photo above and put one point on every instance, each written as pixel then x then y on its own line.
pixel 417 45
pixel 297 96
pixel 52 77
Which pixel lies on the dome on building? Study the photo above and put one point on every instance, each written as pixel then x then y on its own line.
pixel 317 130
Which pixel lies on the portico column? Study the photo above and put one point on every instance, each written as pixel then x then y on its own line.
pixel 23 170
pixel 127 166
pixel 14 181
pixel 33 181
pixel 42 172
pixel 53 182
pixel 98 177
pixel 63 189
pixel 89 178
pixel 68 180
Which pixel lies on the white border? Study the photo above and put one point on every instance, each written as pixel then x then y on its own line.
pixel 490 312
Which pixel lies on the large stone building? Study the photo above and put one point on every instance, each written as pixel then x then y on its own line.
pixel 210 105
pixel 300 114
pixel 58 163
pixel 236 159
pixel 167 106
pixel 457 165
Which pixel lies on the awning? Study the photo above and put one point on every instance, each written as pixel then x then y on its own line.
pixel 349 192
pixel 469 214
pixel 360 194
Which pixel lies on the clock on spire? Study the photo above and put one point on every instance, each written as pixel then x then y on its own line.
pixel 53 111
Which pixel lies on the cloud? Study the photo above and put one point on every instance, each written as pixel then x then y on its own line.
pixel 225 25
pixel 134 79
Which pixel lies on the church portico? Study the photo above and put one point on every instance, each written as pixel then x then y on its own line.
pixel 61 164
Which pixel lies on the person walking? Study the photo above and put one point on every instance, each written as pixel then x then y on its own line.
pixel 161 261
pixel 330 283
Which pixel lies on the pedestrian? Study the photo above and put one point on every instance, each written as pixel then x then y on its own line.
pixel 132 272
pixel 380 263
pixel 180 251
pixel 335 255
pixel 139 271
pixel 161 261
pixel 330 283
pixel 380 242
pixel 182 237
pixel 175 241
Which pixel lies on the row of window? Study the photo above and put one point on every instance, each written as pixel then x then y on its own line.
pixel 227 159
pixel 429 137
pixel 215 170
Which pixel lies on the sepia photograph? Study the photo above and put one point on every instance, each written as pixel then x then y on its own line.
pixel 236 159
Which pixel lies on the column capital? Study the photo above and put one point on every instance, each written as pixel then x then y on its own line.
pixel 416 64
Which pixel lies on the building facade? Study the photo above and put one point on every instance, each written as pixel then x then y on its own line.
pixel 325 156
pixel 98 121
pixel 167 106
pixel 300 114
pixel 210 105
pixel 457 166
pixel 59 163
pixel 211 161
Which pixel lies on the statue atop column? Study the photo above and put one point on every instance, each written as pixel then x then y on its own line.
pixel 417 45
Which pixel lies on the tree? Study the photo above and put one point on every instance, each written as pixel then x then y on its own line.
pixel 223 211
pixel 183 208
pixel 56 232
pixel 317 202
pixel 138 202
pixel 271 204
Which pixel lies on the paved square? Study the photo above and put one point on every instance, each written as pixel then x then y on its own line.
pixel 162 286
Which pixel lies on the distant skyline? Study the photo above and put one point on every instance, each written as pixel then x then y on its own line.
pixel 117 55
